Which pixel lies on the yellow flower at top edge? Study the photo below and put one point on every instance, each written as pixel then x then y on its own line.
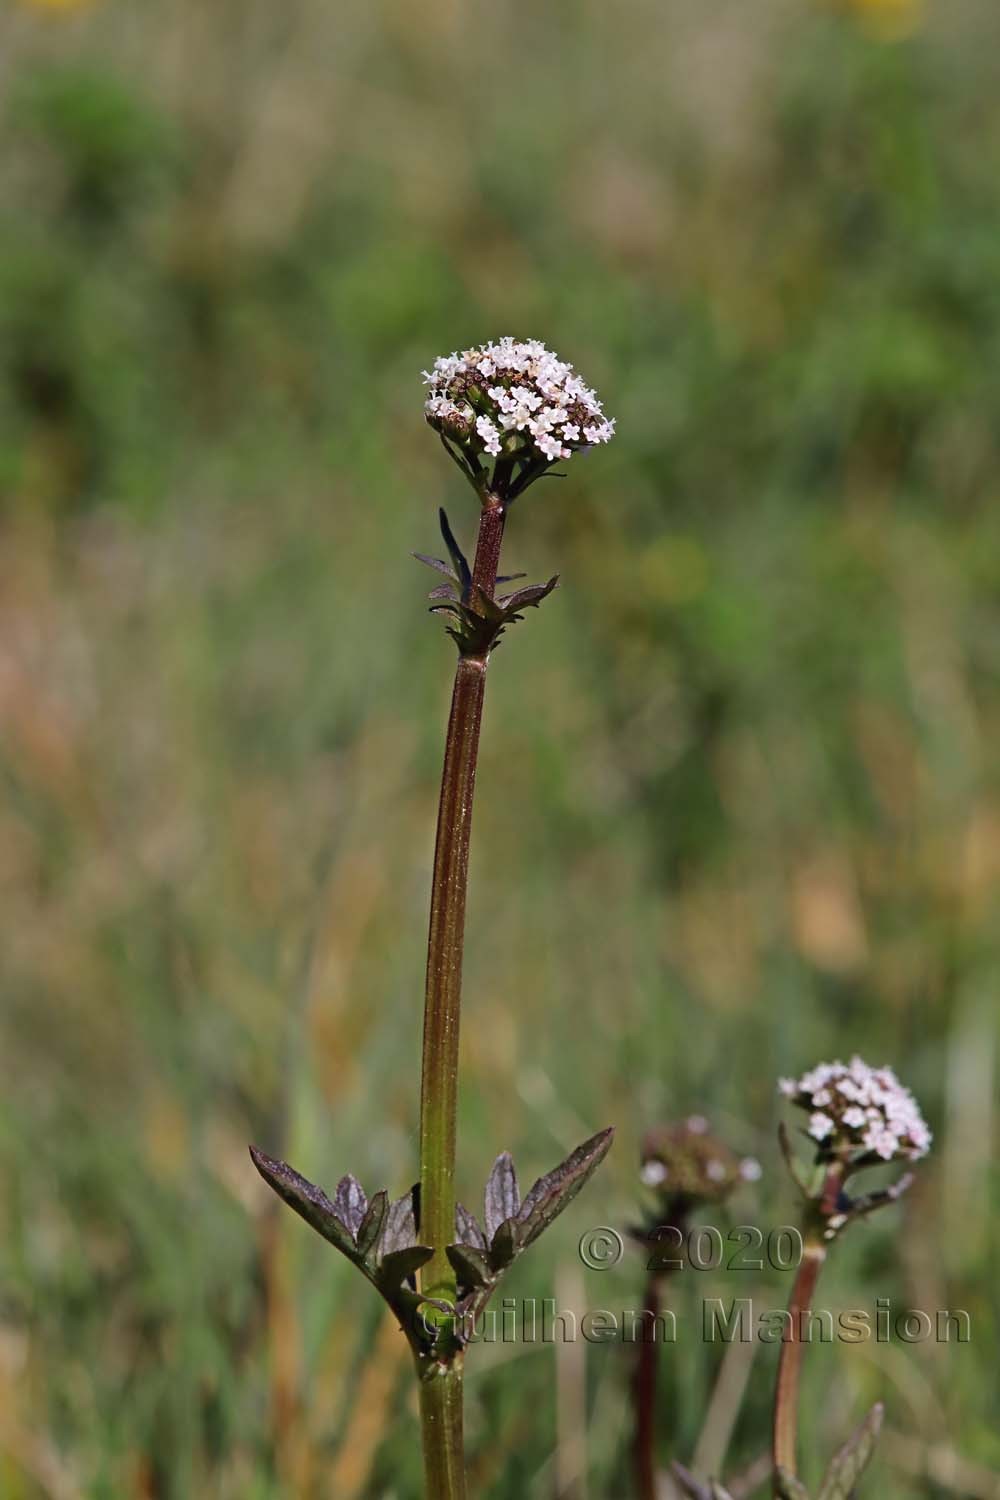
pixel 888 18
pixel 58 6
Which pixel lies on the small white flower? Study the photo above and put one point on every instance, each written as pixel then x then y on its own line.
pixel 533 393
pixel 489 435
pixel 549 445
pixel 750 1169
pixel 697 1124
pixel 715 1171
pixel 860 1107
pixel 653 1173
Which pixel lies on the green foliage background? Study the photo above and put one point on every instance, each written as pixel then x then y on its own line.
pixel 739 804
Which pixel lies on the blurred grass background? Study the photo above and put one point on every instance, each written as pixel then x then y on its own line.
pixel 738 802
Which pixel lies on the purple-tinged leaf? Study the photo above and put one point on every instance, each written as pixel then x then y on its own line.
pixel 506 1243
pixel 849 1462
pixel 553 1192
pixel 437 563
pixel 350 1201
pixel 530 596
pixel 463 572
pixel 443 591
pixel 501 1199
pixel 371 1225
pixel 309 1201
pixel 399 1265
pixel 509 577
pixel 472 1266
pixel 467 1228
pixel 400 1229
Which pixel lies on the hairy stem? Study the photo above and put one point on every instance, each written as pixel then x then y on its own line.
pixel 441 1388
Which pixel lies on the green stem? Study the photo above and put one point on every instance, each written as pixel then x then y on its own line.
pixel 441 1389
pixel 441 1422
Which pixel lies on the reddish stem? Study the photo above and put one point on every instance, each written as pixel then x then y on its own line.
pixel 786 1396
pixel 439 1085
pixel 644 1387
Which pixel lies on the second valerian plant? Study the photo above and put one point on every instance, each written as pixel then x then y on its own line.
pixel 506 413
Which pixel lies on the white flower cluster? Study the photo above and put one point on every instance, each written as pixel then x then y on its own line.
pixel 481 396
pixel 861 1107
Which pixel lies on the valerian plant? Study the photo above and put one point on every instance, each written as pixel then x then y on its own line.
pixel 506 413
pixel 685 1167
pixel 859 1117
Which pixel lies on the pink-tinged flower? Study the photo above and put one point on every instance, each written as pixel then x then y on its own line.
pixel 516 403
pixel 857 1110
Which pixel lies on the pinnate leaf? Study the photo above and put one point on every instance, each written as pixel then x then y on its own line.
pixel 472 1266
pixel 506 1244
pixel 371 1225
pixel 522 598
pixel 400 1230
pixel 309 1201
pixel 553 1192
pixel 399 1265
pixel 467 1228
pixel 502 1198
pixel 437 563
pixel 463 573
pixel 350 1202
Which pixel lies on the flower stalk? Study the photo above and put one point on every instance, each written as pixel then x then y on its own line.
pixel 446 938
pixel 786 1397
pixel 687 1167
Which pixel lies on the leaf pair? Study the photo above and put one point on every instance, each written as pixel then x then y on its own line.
pixel 477 620
pixel 482 1254
pixel 846 1468
pixel 378 1237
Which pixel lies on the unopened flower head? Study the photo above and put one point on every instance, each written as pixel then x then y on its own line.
pixel 687 1164
pixel 516 403
pixel 859 1110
